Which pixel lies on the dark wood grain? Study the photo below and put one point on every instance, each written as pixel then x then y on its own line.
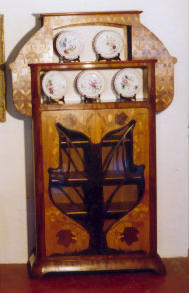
pixel 38 157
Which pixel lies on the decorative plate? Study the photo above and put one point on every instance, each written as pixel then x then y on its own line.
pixel 69 45
pixel 108 44
pixel 90 84
pixel 54 85
pixel 127 82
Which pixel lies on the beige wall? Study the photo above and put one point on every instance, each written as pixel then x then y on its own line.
pixel 168 19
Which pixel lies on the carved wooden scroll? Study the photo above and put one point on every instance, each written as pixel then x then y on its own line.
pixel 144 44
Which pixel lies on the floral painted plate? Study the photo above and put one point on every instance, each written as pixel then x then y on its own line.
pixel 69 45
pixel 108 44
pixel 90 84
pixel 54 85
pixel 127 82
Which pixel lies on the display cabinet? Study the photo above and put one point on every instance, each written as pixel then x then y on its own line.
pixel 95 166
pixel 93 87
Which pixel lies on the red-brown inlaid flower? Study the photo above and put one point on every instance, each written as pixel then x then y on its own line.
pixel 66 237
pixel 129 235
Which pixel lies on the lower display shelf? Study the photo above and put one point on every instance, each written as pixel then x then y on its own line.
pixel 57 176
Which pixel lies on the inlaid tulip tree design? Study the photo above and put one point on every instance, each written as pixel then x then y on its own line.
pixel 94 183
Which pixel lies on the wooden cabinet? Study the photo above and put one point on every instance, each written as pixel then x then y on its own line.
pixel 95 158
pixel 95 174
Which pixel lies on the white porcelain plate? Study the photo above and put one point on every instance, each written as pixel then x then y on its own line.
pixel 108 44
pixel 54 85
pixel 69 45
pixel 90 84
pixel 128 82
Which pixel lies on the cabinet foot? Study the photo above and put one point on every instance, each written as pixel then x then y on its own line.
pixel 95 263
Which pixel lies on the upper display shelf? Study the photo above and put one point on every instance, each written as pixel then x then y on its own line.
pixel 92 37
pixel 74 44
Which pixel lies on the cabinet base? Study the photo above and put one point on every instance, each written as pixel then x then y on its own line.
pixel 104 263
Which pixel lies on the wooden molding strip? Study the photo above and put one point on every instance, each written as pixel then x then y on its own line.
pixel 2 73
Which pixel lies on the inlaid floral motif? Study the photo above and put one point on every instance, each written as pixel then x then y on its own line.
pixel 121 118
pixel 129 235
pixel 66 237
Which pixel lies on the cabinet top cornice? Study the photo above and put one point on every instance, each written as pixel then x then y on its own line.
pixel 91 13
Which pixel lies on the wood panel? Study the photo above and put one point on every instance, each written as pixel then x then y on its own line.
pixel 139 218
pixel 55 220
pixel 2 71
pixel 94 124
